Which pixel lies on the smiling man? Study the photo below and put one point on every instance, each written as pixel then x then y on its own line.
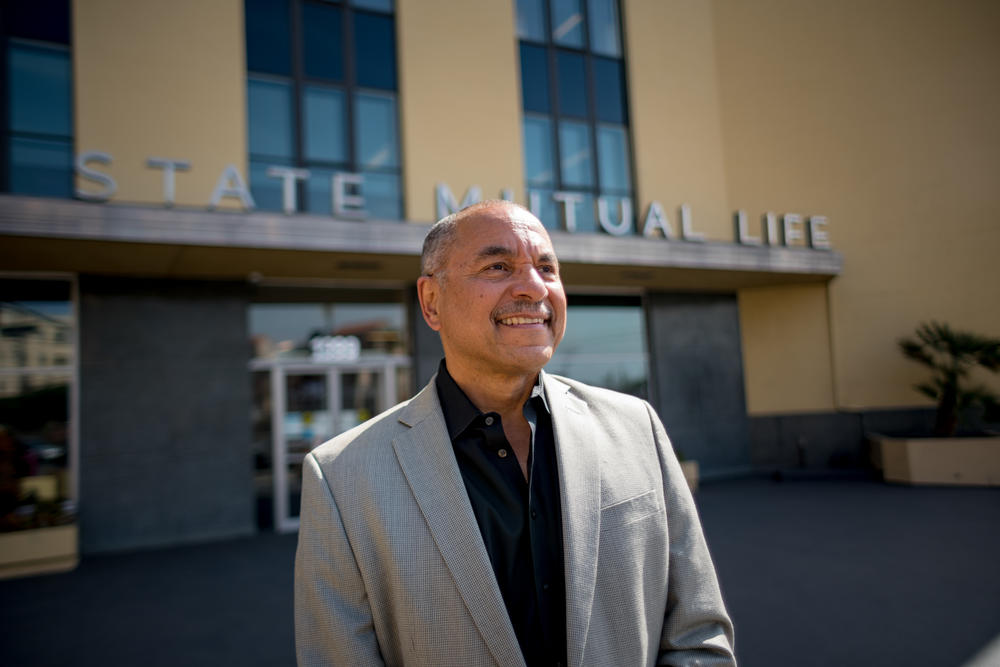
pixel 503 516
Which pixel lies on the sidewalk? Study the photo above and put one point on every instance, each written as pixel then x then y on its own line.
pixel 815 573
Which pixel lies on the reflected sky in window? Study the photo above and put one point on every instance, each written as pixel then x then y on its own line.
pixel 604 345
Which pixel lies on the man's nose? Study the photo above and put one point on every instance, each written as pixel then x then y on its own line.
pixel 528 282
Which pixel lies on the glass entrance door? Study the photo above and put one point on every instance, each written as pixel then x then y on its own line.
pixel 310 403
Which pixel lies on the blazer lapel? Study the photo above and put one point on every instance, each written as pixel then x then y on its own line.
pixel 580 496
pixel 425 454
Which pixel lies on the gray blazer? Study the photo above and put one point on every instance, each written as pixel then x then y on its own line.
pixel 391 567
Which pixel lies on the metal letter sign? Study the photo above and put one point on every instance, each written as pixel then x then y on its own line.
pixel 98 177
pixel 231 184
pixel 742 233
pixel 170 168
pixel 446 203
pixel 289 193
pixel 347 205
pixel 687 233
pixel 624 224
pixel 656 219
pixel 348 201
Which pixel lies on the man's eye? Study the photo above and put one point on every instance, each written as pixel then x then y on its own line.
pixel 499 266
pixel 547 268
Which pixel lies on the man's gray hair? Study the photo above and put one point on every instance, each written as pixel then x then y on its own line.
pixel 438 241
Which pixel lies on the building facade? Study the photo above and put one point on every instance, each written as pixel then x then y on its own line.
pixel 212 215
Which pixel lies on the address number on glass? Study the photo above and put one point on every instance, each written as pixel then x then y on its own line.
pixel 335 348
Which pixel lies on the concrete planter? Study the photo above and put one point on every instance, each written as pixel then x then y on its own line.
pixel 690 470
pixel 39 551
pixel 961 461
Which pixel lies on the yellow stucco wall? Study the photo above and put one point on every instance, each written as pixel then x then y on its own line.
pixel 675 114
pixel 882 116
pixel 786 349
pixel 163 79
pixel 460 100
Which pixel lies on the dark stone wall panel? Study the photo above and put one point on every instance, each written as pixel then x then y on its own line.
pixel 697 376
pixel 164 413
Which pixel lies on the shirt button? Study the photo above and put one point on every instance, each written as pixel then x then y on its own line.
pixel 545 587
pixel 534 514
pixel 502 453
pixel 489 421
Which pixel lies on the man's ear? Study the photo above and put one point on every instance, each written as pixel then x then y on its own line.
pixel 428 290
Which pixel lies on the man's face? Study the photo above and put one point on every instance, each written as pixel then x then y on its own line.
pixel 499 303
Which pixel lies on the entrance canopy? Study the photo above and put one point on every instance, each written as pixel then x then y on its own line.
pixel 67 235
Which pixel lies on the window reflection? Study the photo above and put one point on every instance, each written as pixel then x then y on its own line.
pixel 612 149
pixel 268 36
pixel 602 15
pixel 39 119
pixel 574 153
pixel 270 107
pixel 40 167
pixel 538 151
pixel 376 131
pixel 285 330
pixel 40 82
pixel 325 125
pixel 376 5
pixel 572 84
pixel 36 356
pixel 531 20
pixel 567 23
pixel 322 45
pixel 604 345
pixel 534 78
pixel 375 50
pixel 381 192
pixel 610 90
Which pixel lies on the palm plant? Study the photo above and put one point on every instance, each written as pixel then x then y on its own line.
pixel 951 355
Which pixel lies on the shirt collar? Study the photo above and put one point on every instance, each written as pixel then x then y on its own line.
pixel 459 412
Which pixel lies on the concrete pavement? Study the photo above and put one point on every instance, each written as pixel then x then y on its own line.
pixel 815 572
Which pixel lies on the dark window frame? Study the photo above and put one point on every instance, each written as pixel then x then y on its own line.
pixel 298 81
pixel 555 115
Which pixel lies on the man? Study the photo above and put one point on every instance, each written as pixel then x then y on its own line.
pixel 503 516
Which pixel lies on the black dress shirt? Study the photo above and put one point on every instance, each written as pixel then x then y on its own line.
pixel 520 520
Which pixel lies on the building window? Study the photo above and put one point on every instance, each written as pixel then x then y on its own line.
pixel 38 111
pixel 36 380
pixel 576 132
pixel 605 344
pixel 322 98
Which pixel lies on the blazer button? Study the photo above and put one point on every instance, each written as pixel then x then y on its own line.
pixel 489 421
pixel 502 453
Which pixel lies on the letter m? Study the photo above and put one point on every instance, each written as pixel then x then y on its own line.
pixel 446 203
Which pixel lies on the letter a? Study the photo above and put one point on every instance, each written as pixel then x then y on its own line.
pixel 231 184
pixel 656 219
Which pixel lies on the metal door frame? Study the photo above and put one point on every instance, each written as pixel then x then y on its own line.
pixel 279 369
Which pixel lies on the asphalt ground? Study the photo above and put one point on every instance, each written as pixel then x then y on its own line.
pixel 815 573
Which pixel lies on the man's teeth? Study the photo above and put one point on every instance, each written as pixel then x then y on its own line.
pixel 522 320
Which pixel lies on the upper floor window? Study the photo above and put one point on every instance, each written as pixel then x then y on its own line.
pixel 576 132
pixel 37 82
pixel 322 99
